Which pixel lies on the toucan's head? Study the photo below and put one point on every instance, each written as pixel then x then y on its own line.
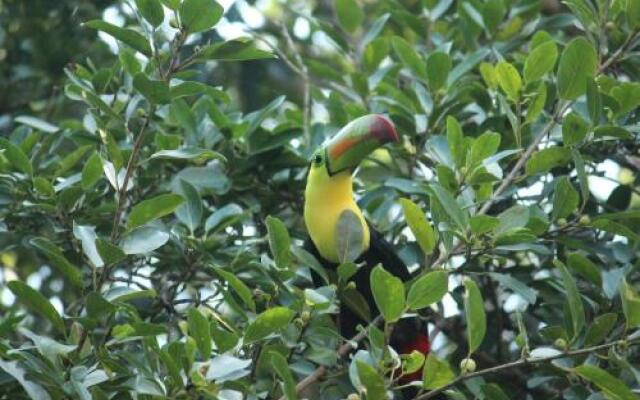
pixel 360 137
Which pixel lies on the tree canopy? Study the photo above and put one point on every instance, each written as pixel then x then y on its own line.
pixel 153 157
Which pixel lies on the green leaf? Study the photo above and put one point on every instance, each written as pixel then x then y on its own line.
pixel 72 159
pixel 527 293
pixel 428 289
pixel 493 13
pixel 600 328
pixel 509 80
pixel 612 131
pixel 455 140
pixel 375 29
pixel 611 386
pixel 270 321
pixel 388 293
pixel 451 206
pixel 347 270
pixel 157 207
pixel 436 373
pixel 630 304
pixel 119 294
pixel 33 389
pixel 16 156
pixel 483 147
pixel 633 13
pixel 349 236
pixel 615 228
pixel 152 11
pixel 594 101
pixel 574 129
pixel 199 331
pixel 349 13
pixel 223 217
pixel 583 266
pixel 576 307
pixel 127 36
pixel 578 63
pixel 239 287
pixel 37 123
pixel 281 366
pixel 143 240
pixel 494 392
pixel 37 303
pixel 200 15
pixel 58 260
pixel 412 362
pixel 240 49
pixel 409 57
pixel 540 60
pixel 488 73
pixel 109 253
pixel 544 160
pixel 421 228
pixel 475 315
pixel 156 92
pixel 481 224
pixel 582 175
pixel 565 199
pixel 438 65
pixel 188 153
pixel 372 381
pixel 279 242
pixel 190 212
pixel 92 171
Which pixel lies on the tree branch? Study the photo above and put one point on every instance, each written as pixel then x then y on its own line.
pixel 525 361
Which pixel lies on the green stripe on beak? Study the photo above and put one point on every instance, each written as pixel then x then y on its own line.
pixel 357 140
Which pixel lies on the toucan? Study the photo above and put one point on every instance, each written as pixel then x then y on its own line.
pixel 329 202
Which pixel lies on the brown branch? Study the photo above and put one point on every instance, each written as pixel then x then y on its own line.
pixel 525 361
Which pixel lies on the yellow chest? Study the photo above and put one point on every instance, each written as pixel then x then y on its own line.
pixel 325 199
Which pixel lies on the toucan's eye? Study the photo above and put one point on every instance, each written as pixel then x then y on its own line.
pixel 317 159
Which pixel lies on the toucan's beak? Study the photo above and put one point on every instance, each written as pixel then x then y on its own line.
pixel 357 140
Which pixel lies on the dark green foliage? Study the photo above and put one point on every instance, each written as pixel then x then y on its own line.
pixel 151 197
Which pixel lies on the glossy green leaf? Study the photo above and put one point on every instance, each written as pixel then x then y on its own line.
pixel 239 287
pixel 409 57
pixel 283 370
pixel 152 11
pixel 598 330
pixel 199 331
pixel 190 212
pixel 92 171
pixel 279 242
pixel 630 304
pixel 388 293
pixel 438 65
pixel 611 386
pixel 509 80
pixel 421 228
pixel 349 13
pixel 584 267
pixel 451 206
pixel 270 321
pixel 37 303
pixel 436 372
pixel 372 381
pixel 240 49
pixel 540 60
pixel 58 260
pixel 157 207
pixel 16 156
pixel 544 160
pixel 574 129
pixel 565 199
pixel 474 315
pixel 574 300
pixel 455 139
pixel 578 63
pixel 157 92
pixel 428 289
pixel 200 15
pixel 127 36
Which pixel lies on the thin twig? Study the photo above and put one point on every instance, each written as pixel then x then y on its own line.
pixel 521 362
